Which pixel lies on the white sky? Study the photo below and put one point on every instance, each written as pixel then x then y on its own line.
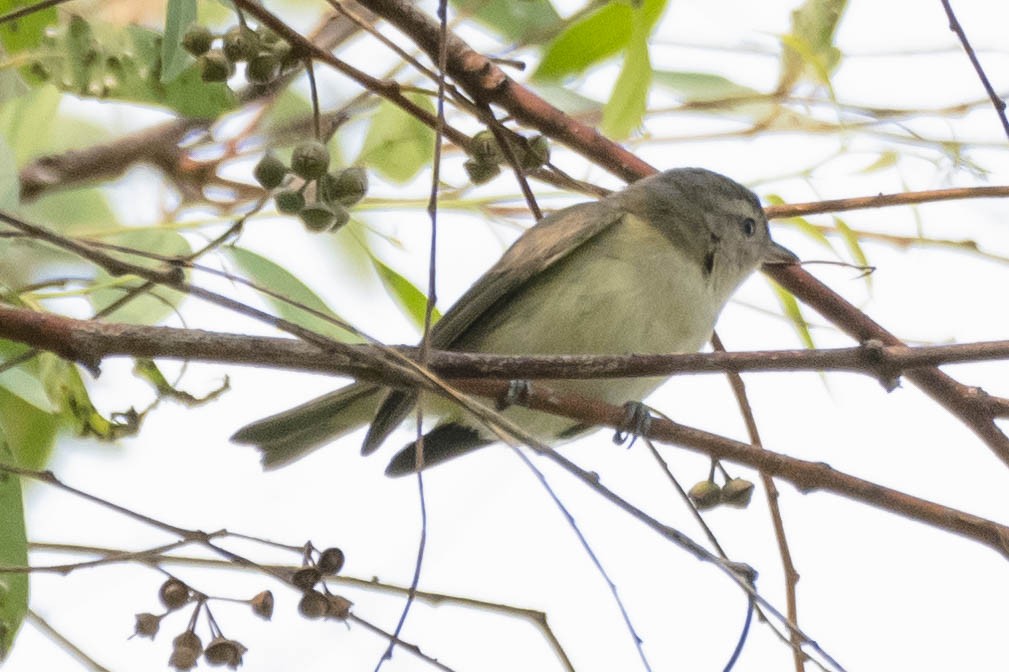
pixel 877 591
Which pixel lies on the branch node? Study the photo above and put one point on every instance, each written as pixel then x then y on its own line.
pixel 878 357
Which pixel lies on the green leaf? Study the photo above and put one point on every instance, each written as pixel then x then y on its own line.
pixel 66 388
pixel 269 274
pixel 154 305
pixel 13 553
pixel 410 299
pixel 174 59
pixel 628 102
pixel 701 87
pixel 587 41
pixel 28 388
pixel 398 145
pixel 808 50
pixel 26 32
pixel 10 185
pixel 596 37
pixel 794 314
pixel 105 61
pixel 524 21
pixel 25 121
pixel 30 431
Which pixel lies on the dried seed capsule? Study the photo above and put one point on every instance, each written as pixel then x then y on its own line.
pixel 344 187
pixel 484 148
pixel 262 605
pixel 240 43
pixel 537 153
pixel 223 651
pixel 197 39
pixel 186 650
pixel 263 68
pixel 737 492
pixel 317 216
pixel 705 495
pixel 313 605
pixel 270 171
pixel 306 578
pixel 310 160
pixel 147 625
pixel 330 561
pixel 481 172
pixel 290 201
pixel 338 607
pixel 215 66
pixel 174 594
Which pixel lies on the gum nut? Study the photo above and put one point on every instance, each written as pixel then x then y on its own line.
pixel 290 201
pixel 215 66
pixel 317 216
pixel 270 171
pixel 705 495
pixel 197 39
pixel 240 43
pixel 480 173
pixel 310 160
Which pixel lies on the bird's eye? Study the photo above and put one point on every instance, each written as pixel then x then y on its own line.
pixel 749 226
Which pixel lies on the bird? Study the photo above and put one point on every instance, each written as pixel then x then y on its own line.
pixel 644 270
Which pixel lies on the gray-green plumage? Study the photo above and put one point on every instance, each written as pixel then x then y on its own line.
pixel 644 270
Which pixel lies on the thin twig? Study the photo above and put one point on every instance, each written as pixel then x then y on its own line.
pixel 771 492
pixel 996 100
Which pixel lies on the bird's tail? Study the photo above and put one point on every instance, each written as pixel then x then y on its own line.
pixel 291 434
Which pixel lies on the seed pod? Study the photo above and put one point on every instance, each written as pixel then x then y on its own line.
pixel 705 495
pixel 262 605
pixel 338 607
pixel 330 561
pixel 223 651
pixel 344 187
pixel 290 201
pixel 484 148
pixel 147 625
pixel 197 39
pixel 270 171
pixel 737 492
pixel 240 43
pixel 537 153
pixel 263 68
pixel 174 594
pixel 310 160
pixel 186 650
pixel 317 217
pixel 481 172
pixel 313 604
pixel 215 66
pixel 306 578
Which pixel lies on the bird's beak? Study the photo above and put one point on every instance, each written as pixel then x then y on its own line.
pixel 778 254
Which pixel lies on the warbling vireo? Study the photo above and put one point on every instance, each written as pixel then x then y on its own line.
pixel 644 270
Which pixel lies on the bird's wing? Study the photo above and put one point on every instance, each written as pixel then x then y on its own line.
pixel 552 238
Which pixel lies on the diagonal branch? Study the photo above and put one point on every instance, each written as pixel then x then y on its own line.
pixel 46 331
